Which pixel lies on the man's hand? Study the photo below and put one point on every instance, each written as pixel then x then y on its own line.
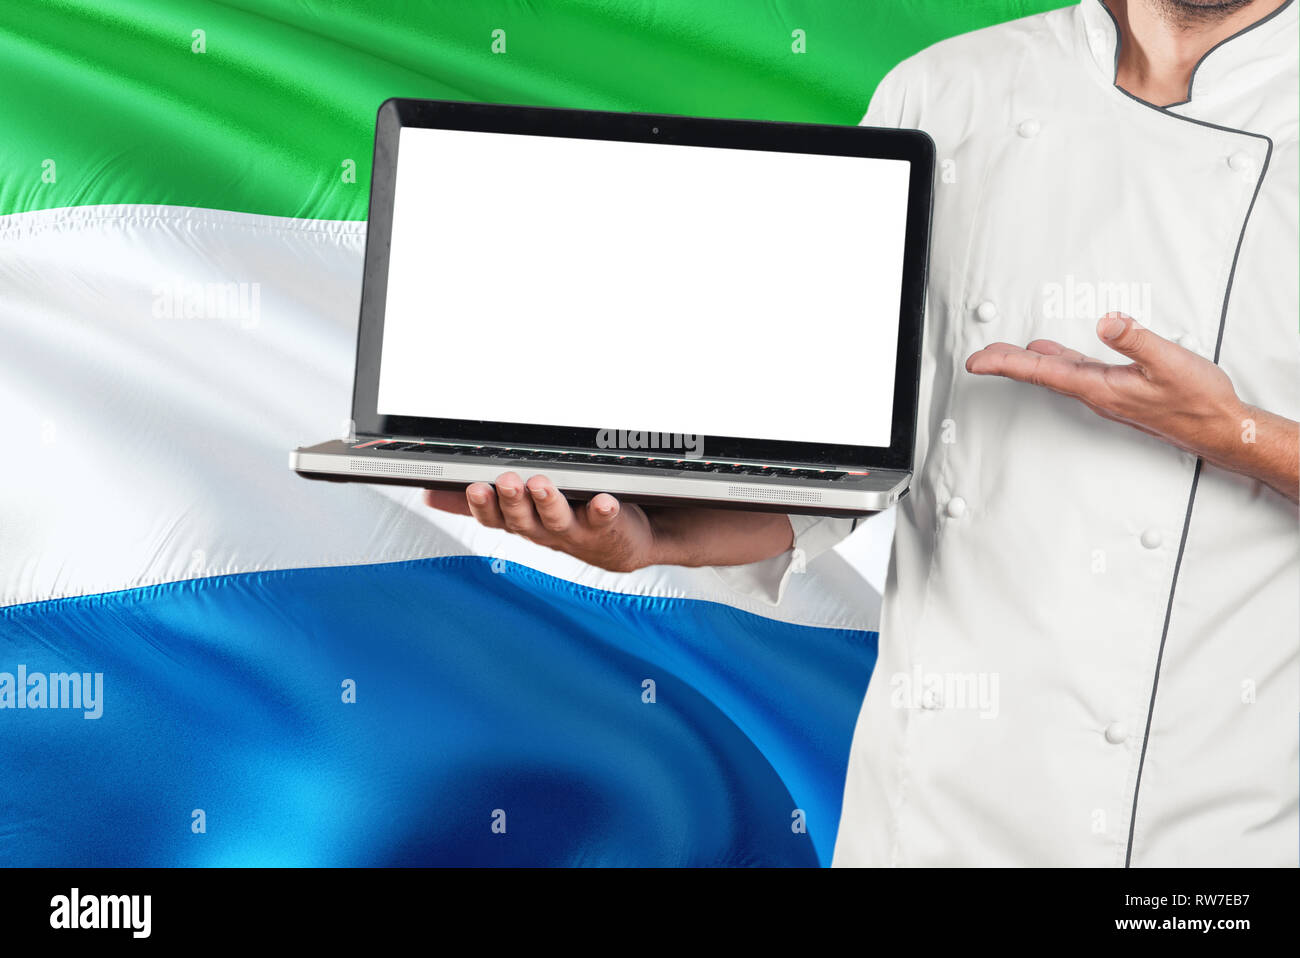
pixel 1167 391
pixel 618 536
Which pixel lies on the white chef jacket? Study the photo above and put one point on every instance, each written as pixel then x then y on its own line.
pixel 1090 641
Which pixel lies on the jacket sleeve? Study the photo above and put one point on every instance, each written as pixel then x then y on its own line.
pixel 888 107
pixel 767 580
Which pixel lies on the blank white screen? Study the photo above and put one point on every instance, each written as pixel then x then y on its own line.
pixel 644 286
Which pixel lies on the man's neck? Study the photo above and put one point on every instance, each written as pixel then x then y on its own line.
pixel 1161 41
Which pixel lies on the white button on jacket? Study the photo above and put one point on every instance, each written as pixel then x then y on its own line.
pixel 1241 162
pixel 1139 610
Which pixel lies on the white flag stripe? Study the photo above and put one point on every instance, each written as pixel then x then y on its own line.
pixel 160 362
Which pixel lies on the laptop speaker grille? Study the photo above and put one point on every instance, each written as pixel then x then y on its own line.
pixel 774 495
pixel 396 468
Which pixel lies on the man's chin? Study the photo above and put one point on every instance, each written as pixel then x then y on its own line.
pixel 1189 13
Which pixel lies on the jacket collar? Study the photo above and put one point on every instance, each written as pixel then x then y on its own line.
pixel 1237 62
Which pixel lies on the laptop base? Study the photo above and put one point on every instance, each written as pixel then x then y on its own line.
pixel 850 495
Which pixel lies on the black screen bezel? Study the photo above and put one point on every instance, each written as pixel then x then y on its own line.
pixel 913 146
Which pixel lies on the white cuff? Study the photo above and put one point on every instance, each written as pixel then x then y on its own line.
pixel 767 580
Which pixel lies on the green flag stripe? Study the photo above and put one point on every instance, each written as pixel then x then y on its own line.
pixel 109 103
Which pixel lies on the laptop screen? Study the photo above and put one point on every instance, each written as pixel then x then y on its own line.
pixel 629 285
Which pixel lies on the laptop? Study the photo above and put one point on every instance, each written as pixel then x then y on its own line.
pixel 674 310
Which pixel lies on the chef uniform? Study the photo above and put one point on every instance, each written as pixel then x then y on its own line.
pixel 1090 640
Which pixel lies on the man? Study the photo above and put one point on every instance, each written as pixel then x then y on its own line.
pixel 1109 542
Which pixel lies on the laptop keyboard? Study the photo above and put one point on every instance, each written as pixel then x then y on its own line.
pixel 582 458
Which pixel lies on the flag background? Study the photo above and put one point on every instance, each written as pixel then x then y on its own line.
pixel 287 90
pixel 150 530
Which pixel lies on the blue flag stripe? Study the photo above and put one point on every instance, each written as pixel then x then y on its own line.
pixel 486 693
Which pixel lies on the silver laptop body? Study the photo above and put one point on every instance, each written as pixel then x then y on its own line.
pixel 531 269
